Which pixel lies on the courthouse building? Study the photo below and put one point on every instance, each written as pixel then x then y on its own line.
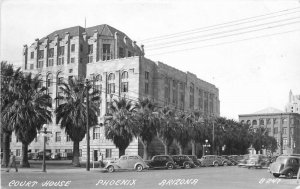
pixel 118 68
pixel 293 105
pixel 284 126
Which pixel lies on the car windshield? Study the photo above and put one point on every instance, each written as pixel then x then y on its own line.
pixel 281 160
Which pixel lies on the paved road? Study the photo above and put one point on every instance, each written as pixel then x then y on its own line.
pixel 208 177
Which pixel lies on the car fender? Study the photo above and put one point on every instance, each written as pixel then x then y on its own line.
pixel 170 162
pixel 111 164
pixel 138 163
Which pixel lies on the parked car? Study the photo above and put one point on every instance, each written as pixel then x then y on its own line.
pixel 126 162
pixel 161 161
pixel 183 161
pixel 224 161
pixel 56 156
pixel 232 160
pixel 243 162
pixel 285 165
pixel 210 160
pixel 40 155
pixel 257 161
pixel 195 160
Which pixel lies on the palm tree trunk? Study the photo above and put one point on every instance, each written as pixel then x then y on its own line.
pixel 166 147
pixel 75 161
pixel 6 148
pixel 121 151
pixel 145 145
pixel 193 143
pixel 180 148
pixel 24 161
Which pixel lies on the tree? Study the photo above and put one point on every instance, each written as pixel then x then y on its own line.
pixel 9 79
pixel 181 134
pixel 72 113
pixel 166 127
pixel 120 124
pixel 146 123
pixel 28 112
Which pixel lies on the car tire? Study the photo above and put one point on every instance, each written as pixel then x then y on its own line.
pixel 225 164
pixel 139 168
pixel 187 166
pixel 170 166
pixel 289 174
pixel 216 164
pixel 110 169
pixel 276 175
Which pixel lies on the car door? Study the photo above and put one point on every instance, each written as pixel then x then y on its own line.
pixel 132 160
pixel 123 162
pixel 155 161
pixel 294 164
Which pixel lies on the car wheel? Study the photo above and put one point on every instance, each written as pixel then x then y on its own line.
pixel 225 163
pixel 289 174
pixel 170 166
pixel 187 166
pixel 139 168
pixel 216 164
pixel 276 175
pixel 110 169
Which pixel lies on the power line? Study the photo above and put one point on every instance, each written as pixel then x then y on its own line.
pixel 222 32
pixel 221 25
pixel 224 36
pixel 223 43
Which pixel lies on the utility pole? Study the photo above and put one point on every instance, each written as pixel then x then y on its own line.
pixel 87 128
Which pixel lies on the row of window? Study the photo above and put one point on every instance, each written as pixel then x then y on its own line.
pixel 268 121
pixel 108 152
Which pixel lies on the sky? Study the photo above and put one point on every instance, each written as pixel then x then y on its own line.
pixel 253 61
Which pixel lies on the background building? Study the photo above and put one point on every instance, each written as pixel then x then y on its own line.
pixel 294 103
pixel 118 68
pixel 285 127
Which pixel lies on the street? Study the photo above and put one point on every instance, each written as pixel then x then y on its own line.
pixel 204 177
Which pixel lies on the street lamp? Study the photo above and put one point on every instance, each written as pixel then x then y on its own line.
pixel 206 145
pixel 44 134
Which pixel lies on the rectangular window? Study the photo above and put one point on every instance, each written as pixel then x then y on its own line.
pixel 57 151
pixel 49 83
pixel 50 62
pixel 147 75
pixel 60 61
pixel 276 130
pixel 121 52
pixel 90 49
pixel 68 150
pixel 124 87
pixel 40 64
pixel 108 153
pixel 111 88
pixel 51 53
pixel 96 133
pixel 18 152
pixel 41 54
pixel 57 136
pixel 106 48
pixel 61 51
pixel 72 60
pixel 146 88
pixel 90 59
pixel 32 55
pixel 285 141
pixel 72 47
pixel 284 130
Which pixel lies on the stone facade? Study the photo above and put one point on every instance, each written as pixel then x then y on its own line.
pixel 118 68
pixel 293 105
pixel 285 127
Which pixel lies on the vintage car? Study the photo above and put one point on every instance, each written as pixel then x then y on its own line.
pixel 285 165
pixel 183 161
pixel 225 161
pixel 126 162
pixel 210 160
pixel 231 159
pixel 161 161
pixel 243 161
pixel 257 161
pixel 195 160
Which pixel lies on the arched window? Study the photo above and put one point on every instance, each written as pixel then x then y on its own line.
pixel 40 78
pixel 111 77
pixel 49 80
pixel 124 75
pixel 98 85
pixel 248 122
pixel 59 80
pixel 243 121
pixel 98 78
pixel 124 82
pixel 261 122
pixel 254 122
pixel 111 84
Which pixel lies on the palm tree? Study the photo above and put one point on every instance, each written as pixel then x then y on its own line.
pixel 72 113
pixel 9 78
pixel 120 124
pixel 146 123
pixel 181 132
pixel 166 127
pixel 28 112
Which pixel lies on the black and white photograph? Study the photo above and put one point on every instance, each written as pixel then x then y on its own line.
pixel 150 94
